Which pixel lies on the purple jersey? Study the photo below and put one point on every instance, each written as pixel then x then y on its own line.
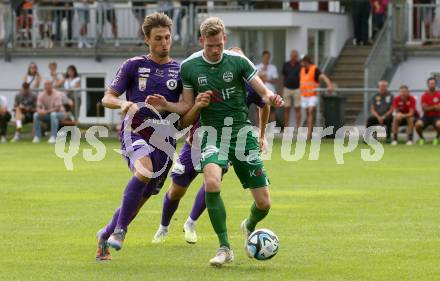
pixel 253 97
pixel 140 77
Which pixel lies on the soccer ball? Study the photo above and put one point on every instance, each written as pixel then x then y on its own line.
pixel 262 244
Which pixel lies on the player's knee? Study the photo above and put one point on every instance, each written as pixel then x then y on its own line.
pixel 212 184
pixel 53 115
pixel 264 204
pixel 176 192
pixel 36 116
pixel 142 176
pixel 419 124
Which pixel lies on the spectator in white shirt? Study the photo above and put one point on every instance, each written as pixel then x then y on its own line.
pixel 72 84
pixel 269 74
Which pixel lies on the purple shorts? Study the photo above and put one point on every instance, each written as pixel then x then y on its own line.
pixel 183 172
pixel 135 147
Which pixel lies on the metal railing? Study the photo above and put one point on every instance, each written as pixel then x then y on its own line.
pixel 423 24
pixel 379 60
pixel 367 93
pixel 46 26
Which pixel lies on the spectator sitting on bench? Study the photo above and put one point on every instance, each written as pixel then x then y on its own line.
pixel 381 109
pixel 5 117
pixel 431 112
pixel 50 110
pixel 405 114
pixel 25 106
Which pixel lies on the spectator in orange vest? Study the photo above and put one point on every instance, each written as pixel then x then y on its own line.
pixel 310 76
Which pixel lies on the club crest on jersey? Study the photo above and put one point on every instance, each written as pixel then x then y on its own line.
pixel 436 100
pixel 143 70
pixel 228 76
pixel 142 83
pixel 203 81
pixel 172 84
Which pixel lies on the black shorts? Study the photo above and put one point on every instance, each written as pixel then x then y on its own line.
pixel 28 118
pixel 109 15
pixel 429 121
pixel 404 122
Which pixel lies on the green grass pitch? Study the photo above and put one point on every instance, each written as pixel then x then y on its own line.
pixel 357 221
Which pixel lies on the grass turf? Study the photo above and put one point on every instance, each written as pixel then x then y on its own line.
pixel 357 221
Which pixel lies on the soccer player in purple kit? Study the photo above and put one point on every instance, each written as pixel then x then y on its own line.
pixel 153 79
pixel 184 173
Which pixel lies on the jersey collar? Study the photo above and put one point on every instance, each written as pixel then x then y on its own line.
pixel 210 62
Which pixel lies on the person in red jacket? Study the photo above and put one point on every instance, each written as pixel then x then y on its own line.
pixel 405 114
pixel 431 111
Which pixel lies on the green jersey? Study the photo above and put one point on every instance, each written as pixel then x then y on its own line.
pixel 227 80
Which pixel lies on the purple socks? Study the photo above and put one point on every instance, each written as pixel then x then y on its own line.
pixel 199 204
pixel 131 201
pixel 168 209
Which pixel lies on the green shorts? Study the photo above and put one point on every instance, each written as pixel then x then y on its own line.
pixel 244 154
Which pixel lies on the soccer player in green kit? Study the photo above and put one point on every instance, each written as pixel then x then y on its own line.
pixel 219 77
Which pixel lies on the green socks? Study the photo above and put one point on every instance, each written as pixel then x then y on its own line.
pixel 256 216
pixel 217 215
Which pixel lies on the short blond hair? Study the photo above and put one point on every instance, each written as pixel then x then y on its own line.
pixel 211 27
pixel 156 20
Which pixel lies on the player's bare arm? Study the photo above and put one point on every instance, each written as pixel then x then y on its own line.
pixel 202 100
pixel 111 100
pixel 327 81
pixel 161 104
pixel 264 118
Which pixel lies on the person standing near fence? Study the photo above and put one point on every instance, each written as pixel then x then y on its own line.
pixel 379 11
pixel 360 14
pixel 269 74
pixel 310 76
pixel 291 93
pixel 108 14
pixel 82 7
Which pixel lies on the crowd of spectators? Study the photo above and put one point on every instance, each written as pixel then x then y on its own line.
pixel 394 111
pixel 45 101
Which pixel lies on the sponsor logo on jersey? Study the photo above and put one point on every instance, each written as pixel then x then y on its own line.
pixel 142 83
pixel 256 172
pixel 173 71
pixel 144 75
pixel 228 76
pixel 160 72
pixel 144 70
pixel 203 81
pixel 172 75
pixel 172 84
